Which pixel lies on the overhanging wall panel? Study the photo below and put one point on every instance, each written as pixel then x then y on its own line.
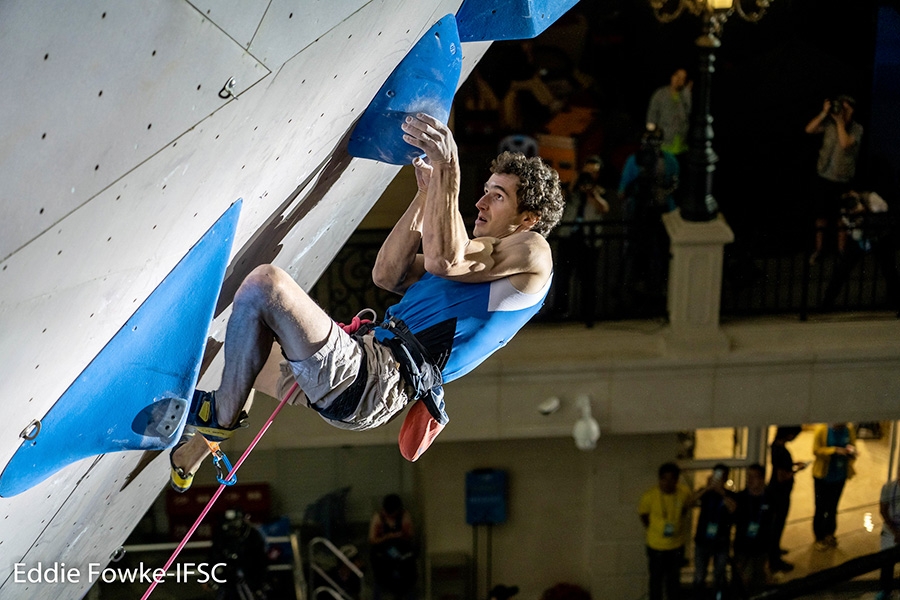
pixel 70 282
pixel 91 92
pixel 128 237
pixel 69 279
pixel 85 528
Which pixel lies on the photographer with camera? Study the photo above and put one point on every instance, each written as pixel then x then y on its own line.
pixel 836 166
pixel 242 549
pixel 579 244
pixel 649 179
pixel 712 539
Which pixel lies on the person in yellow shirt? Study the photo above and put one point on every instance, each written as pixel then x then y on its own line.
pixel 834 447
pixel 662 510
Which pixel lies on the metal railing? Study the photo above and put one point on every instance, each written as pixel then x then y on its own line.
pixel 785 281
pixel 331 587
pixel 616 270
pixel 830 578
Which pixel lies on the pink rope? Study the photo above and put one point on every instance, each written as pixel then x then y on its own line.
pixel 219 491
pixel 354 324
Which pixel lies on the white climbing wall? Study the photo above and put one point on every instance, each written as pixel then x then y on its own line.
pixel 118 153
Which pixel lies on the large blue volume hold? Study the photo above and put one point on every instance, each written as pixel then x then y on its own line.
pixel 123 398
pixel 490 20
pixel 425 81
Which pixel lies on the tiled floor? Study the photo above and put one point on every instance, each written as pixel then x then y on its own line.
pixel 859 519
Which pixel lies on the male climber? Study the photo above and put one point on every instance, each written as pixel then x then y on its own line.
pixel 462 300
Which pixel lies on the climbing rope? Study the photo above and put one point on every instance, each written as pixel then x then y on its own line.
pixel 219 458
pixel 223 484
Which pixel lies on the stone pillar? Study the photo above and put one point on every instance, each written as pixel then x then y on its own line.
pixel 695 283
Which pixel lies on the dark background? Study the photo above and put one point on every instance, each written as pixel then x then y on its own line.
pixel 771 78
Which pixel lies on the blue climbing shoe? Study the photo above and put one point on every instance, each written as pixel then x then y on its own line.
pixel 201 419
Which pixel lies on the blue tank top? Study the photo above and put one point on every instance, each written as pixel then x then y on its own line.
pixel 461 324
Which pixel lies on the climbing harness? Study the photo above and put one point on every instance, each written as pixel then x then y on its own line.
pixel 417 368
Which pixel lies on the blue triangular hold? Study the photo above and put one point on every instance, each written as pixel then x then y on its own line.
pixel 491 20
pixel 424 81
pixel 123 398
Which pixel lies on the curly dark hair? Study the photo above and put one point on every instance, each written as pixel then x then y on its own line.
pixel 539 190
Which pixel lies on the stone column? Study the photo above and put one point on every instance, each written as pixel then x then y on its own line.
pixel 695 283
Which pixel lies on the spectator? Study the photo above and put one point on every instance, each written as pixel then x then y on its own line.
pixel 752 531
pixel 391 538
pixel 242 549
pixel 528 103
pixel 344 576
pixel 836 166
pixel 867 223
pixel 505 592
pixel 835 451
pixel 586 193
pixel 662 510
pixel 523 144
pixel 890 532
pixel 649 178
pixel 670 111
pixel 779 490
pixel 579 242
pixel 712 540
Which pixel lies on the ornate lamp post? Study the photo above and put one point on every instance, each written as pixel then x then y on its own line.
pixel 697 232
pixel 698 203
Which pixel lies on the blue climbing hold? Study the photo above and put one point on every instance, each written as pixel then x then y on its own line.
pixel 425 81
pixel 132 396
pixel 490 20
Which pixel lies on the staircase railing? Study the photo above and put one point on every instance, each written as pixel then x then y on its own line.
pixel 315 570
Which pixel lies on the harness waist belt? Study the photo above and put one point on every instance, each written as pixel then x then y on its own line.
pixel 417 368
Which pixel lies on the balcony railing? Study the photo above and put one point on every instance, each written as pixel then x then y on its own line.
pixel 616 270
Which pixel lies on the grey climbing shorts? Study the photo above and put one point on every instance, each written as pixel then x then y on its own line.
pixel 328 382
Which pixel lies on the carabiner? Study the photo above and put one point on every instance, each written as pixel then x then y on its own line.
pixel 218 459
pixel 221 473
